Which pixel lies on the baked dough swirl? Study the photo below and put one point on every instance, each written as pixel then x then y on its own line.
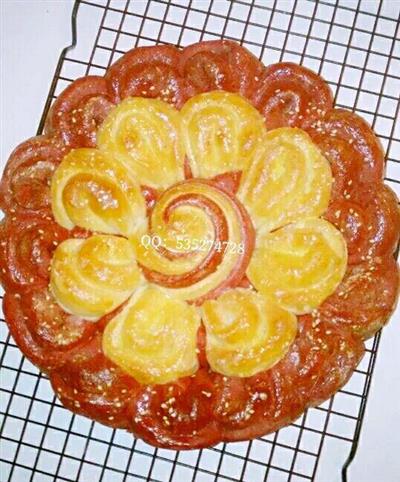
pixel 91 277
pixel 221 241
pixel 246 332
pixel 221 132
pixel 92 190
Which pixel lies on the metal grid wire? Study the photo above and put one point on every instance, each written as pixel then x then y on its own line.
pixel 355 45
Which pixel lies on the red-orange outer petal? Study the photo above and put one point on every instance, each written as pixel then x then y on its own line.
pixel 26 247
pixel 355 153
pixel 25 184
pixel 149 72
pixel 291 95
pixel 220 64
pixel 42 330
pixel 178 415
pixel 92 385
pixel 366 298
pixel 79 110
pixel 369 221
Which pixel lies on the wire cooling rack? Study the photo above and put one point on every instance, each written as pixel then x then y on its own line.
pixel 353 45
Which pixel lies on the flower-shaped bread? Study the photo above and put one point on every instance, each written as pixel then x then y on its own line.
pixel 198 246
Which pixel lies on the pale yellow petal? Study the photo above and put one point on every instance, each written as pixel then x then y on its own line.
pixel 144 134
pixel 91 277
pixel 154 337
pixel 288 179
pixel 94 191
pixel 221 132
pixel 247 332
pixel 299 265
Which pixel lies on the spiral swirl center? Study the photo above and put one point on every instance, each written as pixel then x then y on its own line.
pixel 199 236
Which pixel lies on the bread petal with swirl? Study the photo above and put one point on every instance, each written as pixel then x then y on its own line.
pixel 145 136
pixel 92 190
pixel 288 179
pixel 221 132
pixel 91 277
pixel 247 332
pixel 299 265
pixel 154 337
